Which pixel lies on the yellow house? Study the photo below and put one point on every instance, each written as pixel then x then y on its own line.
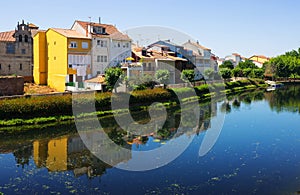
pixel 63 58
pixel 259 58
pixel 39 58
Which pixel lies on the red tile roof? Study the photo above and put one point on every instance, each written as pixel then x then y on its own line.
pixel 111 30
pixel 7 36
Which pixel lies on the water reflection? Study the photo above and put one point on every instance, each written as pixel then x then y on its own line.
pixel 251 156
pixel 68 152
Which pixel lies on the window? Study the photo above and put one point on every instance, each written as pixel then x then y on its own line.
pixel 23 51
pixel 102 43
pixel 21 66
pixel 10 48
pixel 54 43
pixel 26 39
pixel 20 38
pixel 71 78
pixel 70 65
pixel 0 67
pixel 85 45
pixel 119 44
pixel 127 45
pixel 73 44
pixel 101 58
pixel 8 66
pixel 54 58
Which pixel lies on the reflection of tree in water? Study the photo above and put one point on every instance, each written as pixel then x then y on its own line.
pixel 285 99
pixel 23 155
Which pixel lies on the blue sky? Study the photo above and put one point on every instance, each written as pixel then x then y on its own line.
pixel 267 27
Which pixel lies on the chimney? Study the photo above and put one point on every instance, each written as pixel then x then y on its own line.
pixel 99 20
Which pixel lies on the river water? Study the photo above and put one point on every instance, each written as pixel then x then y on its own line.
pixel 257 152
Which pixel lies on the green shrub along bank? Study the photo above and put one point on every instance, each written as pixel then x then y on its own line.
pixel 44 109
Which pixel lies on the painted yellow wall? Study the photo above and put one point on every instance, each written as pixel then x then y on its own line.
pixel 40 149
pixel 57 60
pixel 40 59
pixel 57 154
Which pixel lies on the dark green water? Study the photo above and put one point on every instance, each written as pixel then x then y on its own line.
pixel 257 152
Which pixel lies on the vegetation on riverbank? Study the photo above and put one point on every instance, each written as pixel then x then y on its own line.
pixel 51 109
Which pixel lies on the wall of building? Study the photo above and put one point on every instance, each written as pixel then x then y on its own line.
pixel 40 69
pixel 11 85
pixel 57 60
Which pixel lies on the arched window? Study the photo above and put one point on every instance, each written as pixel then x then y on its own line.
pixel 26 38
pixel 20 38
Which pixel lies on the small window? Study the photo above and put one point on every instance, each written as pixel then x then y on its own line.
pixel 70 65
pixel 85 45
pixel 98 58
pixel 127 45
pixel 71 78
pixel 54 42
pixel 23 51
pixel 0 67
pixel 20 38
pixel 119 44
pixel 21 66
pixel 10 48
pixel 9 67
pixel 101 60
pixel 73 45
pixel 105 58
pixel 26 39
pixel 54 57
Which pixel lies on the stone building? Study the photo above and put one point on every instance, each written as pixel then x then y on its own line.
pixel 16 51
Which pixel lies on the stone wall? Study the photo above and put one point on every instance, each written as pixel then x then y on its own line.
pixel 11 85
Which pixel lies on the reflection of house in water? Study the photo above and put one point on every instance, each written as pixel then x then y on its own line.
pixel 70 153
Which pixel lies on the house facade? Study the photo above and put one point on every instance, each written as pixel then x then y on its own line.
pixel 68 59
pixel 16 51
pixel 259 60
pixel 109 47
pixel 235 58
pixel 201 57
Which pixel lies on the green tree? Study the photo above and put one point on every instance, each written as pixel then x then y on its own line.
pixel 225 73
pixel 113 78
pixel 227 64
pixel 208 73
pixel 257 73
pixel 246 64
pixel 237 72
pixel 162 76
pixel 247 72
pixel 188 76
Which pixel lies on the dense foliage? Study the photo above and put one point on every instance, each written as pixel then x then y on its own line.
pixel 113 77
pixel 284 66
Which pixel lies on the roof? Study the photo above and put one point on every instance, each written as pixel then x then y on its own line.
pixel 260 56
pixel 69 33
pixel 198 45
pixel 111 30
pixel 7 36
pixel 236 54
pixel 33 26
pixel 98 79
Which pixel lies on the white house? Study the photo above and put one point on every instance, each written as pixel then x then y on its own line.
pixel 201 57
pixel 234 58
pixel 110 47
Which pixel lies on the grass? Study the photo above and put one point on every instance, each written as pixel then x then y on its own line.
pixel 55 109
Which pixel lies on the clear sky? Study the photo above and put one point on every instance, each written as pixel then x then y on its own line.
pixel 267 27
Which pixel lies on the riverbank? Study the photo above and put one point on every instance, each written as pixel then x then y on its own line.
pixel 57 109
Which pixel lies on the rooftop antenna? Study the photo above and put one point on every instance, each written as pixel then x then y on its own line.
pixel 90 18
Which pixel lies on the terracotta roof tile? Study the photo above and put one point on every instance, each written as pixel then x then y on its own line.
pixel 69 33
pixel 7 36
pixel 111 30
